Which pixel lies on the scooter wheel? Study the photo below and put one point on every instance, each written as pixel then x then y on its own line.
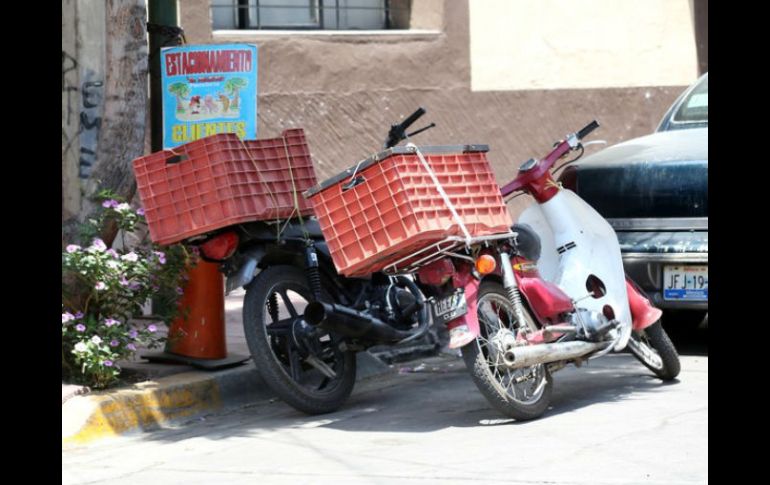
pixel 521 393
pixel 654 349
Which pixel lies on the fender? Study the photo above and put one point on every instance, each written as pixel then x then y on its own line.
pixel 545 298
pixel 246 272
pixel 643 314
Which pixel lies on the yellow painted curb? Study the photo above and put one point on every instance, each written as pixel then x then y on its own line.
pixel 146 405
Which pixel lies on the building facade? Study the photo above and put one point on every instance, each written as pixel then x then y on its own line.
pixel 513 74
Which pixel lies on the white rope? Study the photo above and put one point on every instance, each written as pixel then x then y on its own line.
pixel 448 202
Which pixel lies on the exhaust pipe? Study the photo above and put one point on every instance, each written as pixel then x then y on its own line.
pixel 526 356
pixel 346 321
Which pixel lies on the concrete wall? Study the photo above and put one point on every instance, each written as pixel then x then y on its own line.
pixel 346 89
pixel 104 101
pixel 83 61
pixel 567 44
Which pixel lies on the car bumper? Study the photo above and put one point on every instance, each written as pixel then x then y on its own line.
pixel 646 269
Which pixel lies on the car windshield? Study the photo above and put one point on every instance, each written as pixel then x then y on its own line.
pixel 695 107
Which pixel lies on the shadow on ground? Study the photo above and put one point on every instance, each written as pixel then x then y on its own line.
pixel 444 396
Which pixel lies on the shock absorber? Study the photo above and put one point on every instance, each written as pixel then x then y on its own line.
pixel 272 306
pixel 511 287
pixel 311 270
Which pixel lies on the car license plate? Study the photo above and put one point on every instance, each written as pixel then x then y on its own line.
pixel 689 282
pixel 448 308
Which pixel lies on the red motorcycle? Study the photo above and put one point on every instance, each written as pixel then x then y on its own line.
pixel 520 303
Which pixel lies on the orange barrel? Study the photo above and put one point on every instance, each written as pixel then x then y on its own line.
pixel 199 331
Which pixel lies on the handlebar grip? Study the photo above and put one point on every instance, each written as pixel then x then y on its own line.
pixel 412 118
pixel 587 129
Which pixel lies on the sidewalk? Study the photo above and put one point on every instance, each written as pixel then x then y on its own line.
pixel 169 393
pixel 140 369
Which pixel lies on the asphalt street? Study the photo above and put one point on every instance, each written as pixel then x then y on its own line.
pixel 610 422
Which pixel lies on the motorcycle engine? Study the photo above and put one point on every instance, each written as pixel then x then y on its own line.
pixel 391 302
pixel 590 323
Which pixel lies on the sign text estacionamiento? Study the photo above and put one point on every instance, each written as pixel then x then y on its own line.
pixel 207 62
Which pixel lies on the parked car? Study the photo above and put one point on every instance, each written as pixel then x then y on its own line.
pixel 653 190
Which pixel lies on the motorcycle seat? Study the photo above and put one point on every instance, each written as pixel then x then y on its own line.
pixel 528 242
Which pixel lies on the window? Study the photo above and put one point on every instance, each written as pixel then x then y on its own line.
pixel 695 107
pixel 309 14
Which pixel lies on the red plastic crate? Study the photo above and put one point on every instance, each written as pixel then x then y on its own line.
pixel 220 180
pixel 398 210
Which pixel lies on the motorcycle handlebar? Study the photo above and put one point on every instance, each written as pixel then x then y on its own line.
pixel 398 131
pixel 586 130
pixel 412 118
pixel 533 169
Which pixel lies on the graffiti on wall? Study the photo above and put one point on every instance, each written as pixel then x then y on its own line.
pixel 88 111
pixel 68 64
pixel 90 121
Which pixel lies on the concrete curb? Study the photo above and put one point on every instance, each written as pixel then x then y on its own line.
pixel 150 405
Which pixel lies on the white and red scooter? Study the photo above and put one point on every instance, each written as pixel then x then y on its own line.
pixel 554 294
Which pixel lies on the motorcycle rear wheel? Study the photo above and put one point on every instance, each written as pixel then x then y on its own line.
pixel 654 349
pixel 278 340
pixel 529 397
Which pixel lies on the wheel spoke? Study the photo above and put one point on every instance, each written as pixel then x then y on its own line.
pixel 496 315
pixel 512 386
pixel 281 327
pixel 289 305
pixel 323 383
pixel 295 366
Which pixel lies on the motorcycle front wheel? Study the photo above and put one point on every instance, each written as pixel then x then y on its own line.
pixel 303 365
pixel 654 349
pixel 521 393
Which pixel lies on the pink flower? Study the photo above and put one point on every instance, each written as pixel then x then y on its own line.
pixel 100 286
pixel 152 328
pixel 80 327
pixel 109 203
pixel 140 211
pixel 131 347
pixel 73 248
pixel 132 257
pixel 107 363
pixel 97 245
pixel 110 322
pixel 114 343
pixel 66 317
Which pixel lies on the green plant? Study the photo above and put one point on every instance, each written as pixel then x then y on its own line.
pixel 104 288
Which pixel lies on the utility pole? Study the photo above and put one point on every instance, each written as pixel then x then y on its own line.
pixel 163 26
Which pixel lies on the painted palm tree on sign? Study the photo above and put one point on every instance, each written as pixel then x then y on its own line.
pixel 232 86
pixel 181 91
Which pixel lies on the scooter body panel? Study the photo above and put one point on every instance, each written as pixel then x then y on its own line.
pixel 578 242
